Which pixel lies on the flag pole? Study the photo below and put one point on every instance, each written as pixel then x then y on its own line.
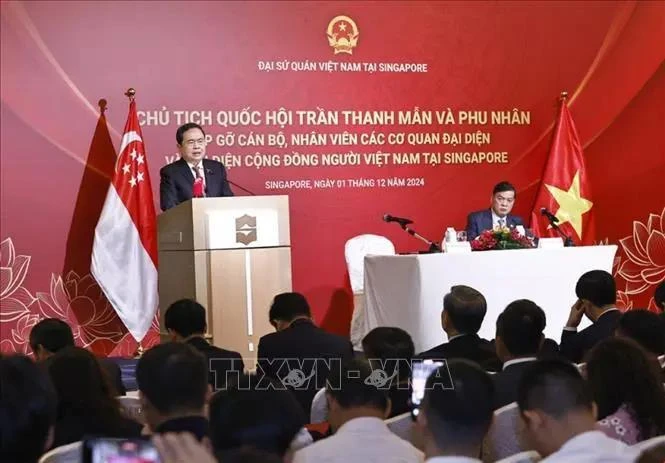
pixel 131 93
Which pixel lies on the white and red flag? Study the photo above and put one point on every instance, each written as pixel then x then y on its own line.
pixel 124 252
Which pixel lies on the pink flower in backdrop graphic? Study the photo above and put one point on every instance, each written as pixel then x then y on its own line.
pixel 645 254
pixel 15 300
pixel 81 303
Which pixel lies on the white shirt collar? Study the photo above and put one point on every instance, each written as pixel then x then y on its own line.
pixel 458 336
pixel 452 459
pixel 611 309
pixel 518 360
pixel 363 424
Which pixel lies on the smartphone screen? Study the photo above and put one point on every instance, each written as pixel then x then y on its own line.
pixel 107 450
pixel 419 373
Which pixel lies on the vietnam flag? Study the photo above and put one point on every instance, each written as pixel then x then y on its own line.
pixel 124 251
pixel 565 189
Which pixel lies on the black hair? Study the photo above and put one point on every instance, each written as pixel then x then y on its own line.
pixel 186 317
pixel 597 287
pixel 180 133
pixel 466 308
pixel 351 386
pixel 503 187
pixel 287 306
pixel 521 326
pixel 52 334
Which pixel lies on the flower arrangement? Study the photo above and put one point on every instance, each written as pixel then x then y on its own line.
pixel 501 238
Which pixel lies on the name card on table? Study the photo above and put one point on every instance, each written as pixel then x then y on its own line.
pixel 456 247
pixel 550 243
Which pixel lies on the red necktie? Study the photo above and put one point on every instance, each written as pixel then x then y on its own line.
pixel 197 188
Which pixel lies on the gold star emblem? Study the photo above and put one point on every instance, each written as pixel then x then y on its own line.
pixel 571 204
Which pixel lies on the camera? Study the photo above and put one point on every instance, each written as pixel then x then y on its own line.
pixel 419 373
pixel 111 450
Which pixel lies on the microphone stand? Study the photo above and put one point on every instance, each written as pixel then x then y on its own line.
pixel 567 240
pixel 433 247
pixel 241 187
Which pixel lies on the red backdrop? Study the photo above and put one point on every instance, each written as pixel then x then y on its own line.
pixel 59 59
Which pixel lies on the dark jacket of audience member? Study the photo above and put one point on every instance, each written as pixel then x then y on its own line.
pixel 27 410
pixel 52 334
pixel 391 350
pixel 519 336
pixel 86 402
pixel 173 387
pixel 256 412
pixel 596 293
pixel 186 322
pixel 299 354
pixel 464 309
pixel 621 373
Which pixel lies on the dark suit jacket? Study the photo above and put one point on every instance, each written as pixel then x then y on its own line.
pixel 479 221
pixel 302 346
pixel 470 347
pixel 220 362
pixel 73 425
pixel 505 383
pixel 574 345
pixel 177 180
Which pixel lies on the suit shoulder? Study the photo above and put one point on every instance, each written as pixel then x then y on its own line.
pixel 213 164
pixel 476 214
pixel 170 168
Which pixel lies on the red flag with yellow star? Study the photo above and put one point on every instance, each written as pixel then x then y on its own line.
pixel 565 189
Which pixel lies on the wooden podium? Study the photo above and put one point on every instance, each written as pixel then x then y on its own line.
pixel 233 255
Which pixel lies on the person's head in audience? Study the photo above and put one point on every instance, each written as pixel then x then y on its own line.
pixel 647 328
pixel 173 383
pixel 48 336
pixel 351 396
pixel 389 348
pixel 503 198
pixel 621 373
pixel 659 297
pixel 286 308
pixel 454 418
pixel 82 386
pixel 27 410
pixel 184 319
pixel 519 330
pixel 255 412
pixel 596 291
pixel 555 404
pixel 464 309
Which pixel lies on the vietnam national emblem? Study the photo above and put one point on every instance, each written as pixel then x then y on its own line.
pixel 342 34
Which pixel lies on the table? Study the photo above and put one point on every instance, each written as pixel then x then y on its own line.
pixel 407 291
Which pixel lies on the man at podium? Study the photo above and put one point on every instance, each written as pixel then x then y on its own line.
pixel 191 176
pixel 498 215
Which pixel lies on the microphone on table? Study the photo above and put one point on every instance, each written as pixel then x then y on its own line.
pixel 403 222
pixel 552 218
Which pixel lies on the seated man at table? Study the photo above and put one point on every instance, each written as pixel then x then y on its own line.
pixel 498 215
pixel 464 309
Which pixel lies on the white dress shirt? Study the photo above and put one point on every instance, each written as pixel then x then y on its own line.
pixel 593 447
pixel 518 360
pixel 496 218
pixel 366 440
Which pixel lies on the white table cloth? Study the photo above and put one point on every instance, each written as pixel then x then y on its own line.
pixel 407 291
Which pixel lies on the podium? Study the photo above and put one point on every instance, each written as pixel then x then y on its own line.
pixel 232 255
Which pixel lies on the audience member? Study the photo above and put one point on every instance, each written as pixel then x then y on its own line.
pixel 356 410
pixel 659 297
pixel 50 335
pixel 185 320
pixel 27 410
pixel 559 415
pixel 463 312
pixel 519 336
pixel 86 401
pixel 596 298
pixel 391 350
pixel 173 388
pixel 257 412
pixel 454 420
pixel 626 386
pixel 299 354
pixel 645 327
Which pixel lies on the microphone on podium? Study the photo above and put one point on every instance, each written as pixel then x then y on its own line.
pixel 549 215
pixel 389 218
pixel 240 186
